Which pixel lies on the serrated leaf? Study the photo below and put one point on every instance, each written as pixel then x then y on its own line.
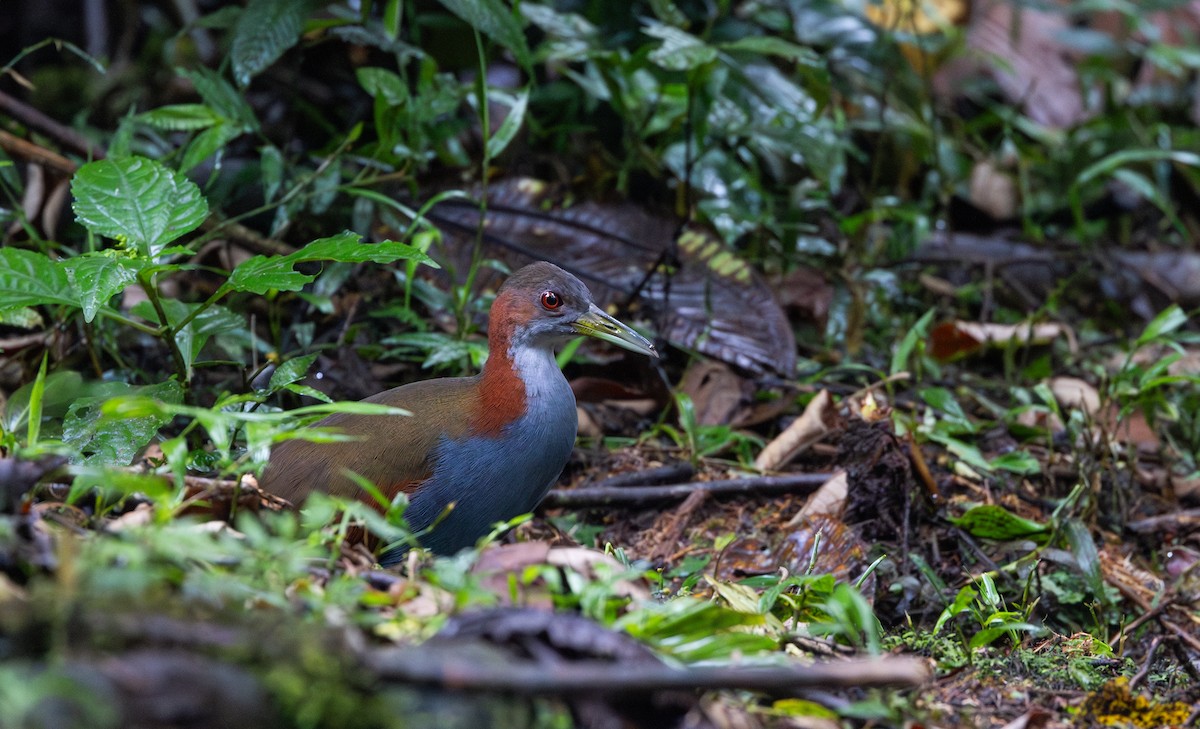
pixel 29 278
pixel 495 20
pixel 266 29
pixel 181 117
pixel 992 521
pixel 98 439
pixel 97 277
pixel 137 201
pixel 262 273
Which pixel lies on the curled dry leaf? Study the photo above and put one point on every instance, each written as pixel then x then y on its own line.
pixel 813 424
pixel 954 339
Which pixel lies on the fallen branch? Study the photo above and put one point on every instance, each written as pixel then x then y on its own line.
pixel 640 495
pixel 463 671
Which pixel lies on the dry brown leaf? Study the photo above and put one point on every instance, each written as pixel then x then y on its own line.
pixel 961 338
pixel 830 499
pixel 810 427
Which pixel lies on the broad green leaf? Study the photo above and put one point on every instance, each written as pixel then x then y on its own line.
pixel 962 603
pixel 383 84
pixel 680 50
pixel 510 126
pixel 22 317
pixel 99 439
pixel 1020 462
pixel 221 96
pixel 181 117
pixel 97 277
pixel 28 278
pixel 266 29
pixel 497 21
pixel 261 273
pixel 291 371
pixel 206 144
pixel 137 201
pixel 992 521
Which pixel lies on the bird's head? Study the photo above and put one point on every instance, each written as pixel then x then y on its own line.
pixel 542 305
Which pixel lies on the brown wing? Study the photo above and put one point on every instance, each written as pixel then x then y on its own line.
pixel 392 451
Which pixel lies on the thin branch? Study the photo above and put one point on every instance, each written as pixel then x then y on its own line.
pixel 641 495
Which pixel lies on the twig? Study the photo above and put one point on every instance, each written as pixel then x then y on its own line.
pixel 639 495
pixel 1176 521
pixel 670 473
pixel 467 673
pixel 26 150
pixel 57 131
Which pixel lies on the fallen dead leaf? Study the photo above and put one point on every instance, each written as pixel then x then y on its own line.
pixel 812 425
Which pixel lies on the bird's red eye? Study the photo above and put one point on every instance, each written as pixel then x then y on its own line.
pixel 551 300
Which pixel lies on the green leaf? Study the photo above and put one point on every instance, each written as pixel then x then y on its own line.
pixel 510 126
pixel 97 277
pixel 206 144
pixel 191 339
pixel 1020 462
pixel 1119 159
pixel 22 317
pixel 773 46
pixel 28 278
pixel 137 201
pixel 266 29
pixel 260 274
pixel 915 335
pixel 1167 321
pixel 271 169
pixel 992 521
pixel 1087 556
pixel 962 603
pixel 383 85
pixel 99 439
pixel 679 51
pixel 36 393
pixel 291 371
pixel 496 21
pixel 60 390
pixel 181 117
pixel 221 96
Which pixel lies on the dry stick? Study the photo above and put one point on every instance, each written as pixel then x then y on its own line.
pixel 57 131
pixel 670 473
pixel 604 677
pixel 1166 522
pixel 640 495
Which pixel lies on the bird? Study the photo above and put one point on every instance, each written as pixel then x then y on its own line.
pixel 475 450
